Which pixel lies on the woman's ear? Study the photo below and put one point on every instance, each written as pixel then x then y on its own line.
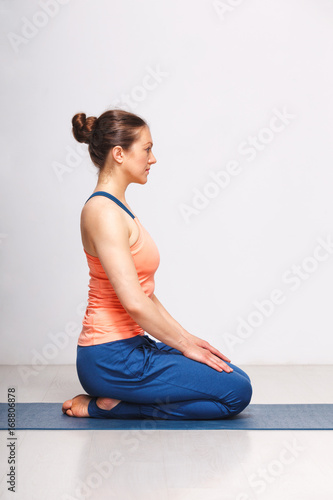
pixel 117 153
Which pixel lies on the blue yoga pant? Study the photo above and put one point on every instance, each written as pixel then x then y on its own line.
pixel 154 380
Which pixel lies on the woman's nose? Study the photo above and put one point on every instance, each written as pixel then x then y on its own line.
pixel 152 159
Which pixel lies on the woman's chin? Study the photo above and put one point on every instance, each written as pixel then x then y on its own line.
pixel 141 180
pixel 144 179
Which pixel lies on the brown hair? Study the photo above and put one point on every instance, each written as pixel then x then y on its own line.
pixel 114 127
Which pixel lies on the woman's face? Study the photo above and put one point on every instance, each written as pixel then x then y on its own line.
pixel 139 157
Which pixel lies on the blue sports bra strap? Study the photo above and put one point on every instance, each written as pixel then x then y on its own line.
pixel 113 198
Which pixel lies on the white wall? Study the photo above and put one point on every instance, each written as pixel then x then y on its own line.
pixel 225 70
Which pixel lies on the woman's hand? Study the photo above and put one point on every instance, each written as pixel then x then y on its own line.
pixel 200 350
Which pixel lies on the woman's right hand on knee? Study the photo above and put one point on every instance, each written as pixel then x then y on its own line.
pixel 197 353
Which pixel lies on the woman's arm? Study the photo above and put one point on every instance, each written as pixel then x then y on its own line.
pixel 196 340
pixel 109 235
pixel 173 323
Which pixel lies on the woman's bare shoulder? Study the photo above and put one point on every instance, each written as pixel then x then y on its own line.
pixel 100 220
pixel 100 209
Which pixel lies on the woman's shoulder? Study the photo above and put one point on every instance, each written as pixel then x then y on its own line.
pixel 100 212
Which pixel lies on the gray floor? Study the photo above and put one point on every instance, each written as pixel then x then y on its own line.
pixel 155 464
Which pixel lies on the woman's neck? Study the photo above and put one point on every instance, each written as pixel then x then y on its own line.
pixel 113 187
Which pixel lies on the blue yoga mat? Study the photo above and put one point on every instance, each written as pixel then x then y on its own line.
pixel 48 416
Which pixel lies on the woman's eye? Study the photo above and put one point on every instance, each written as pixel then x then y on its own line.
pixel 148 149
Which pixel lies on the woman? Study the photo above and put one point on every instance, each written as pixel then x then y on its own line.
pixel 125 373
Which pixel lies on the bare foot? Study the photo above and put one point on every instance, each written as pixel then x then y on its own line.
pixel 78 406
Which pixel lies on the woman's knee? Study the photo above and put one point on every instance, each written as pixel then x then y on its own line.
pixel 242 397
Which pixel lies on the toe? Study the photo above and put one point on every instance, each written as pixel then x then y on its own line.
pixel 77 407
pixel 67 405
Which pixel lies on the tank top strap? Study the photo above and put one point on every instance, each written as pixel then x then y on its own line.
pixel 113 198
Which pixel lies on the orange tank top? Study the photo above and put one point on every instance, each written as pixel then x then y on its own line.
pixel 105 317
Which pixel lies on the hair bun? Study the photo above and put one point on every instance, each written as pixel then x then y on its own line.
pixel 83 127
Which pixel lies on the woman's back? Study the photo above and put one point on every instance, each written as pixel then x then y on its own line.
pixel 105 318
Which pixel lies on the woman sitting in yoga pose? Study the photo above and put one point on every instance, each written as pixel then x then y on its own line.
pixel 124 372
